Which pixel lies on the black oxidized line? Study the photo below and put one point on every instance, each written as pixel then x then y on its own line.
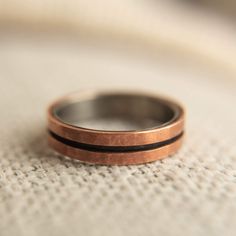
pixel 114 149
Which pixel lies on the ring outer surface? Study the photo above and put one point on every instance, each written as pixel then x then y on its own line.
pixel 115 138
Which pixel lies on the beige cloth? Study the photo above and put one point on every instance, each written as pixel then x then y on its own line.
pixel 170 25
pixel 42 193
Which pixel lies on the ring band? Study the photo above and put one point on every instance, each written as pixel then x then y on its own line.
pixel 158 131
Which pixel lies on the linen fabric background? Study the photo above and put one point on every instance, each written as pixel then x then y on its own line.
pixel 44 193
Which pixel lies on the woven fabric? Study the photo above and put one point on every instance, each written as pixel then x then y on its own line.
pixel 171 25
pixel 44 193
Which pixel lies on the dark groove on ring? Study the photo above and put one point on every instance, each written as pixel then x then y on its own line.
pixel 115 149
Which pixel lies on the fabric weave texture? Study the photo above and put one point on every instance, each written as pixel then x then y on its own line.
pixel 44 193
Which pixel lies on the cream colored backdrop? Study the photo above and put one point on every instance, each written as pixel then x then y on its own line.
pixel 48 48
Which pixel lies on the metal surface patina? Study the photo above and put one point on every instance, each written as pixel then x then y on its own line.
pixel 157 127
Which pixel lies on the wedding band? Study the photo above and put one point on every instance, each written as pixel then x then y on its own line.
pixel 157 132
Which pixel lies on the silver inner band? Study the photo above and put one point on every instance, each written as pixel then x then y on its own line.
pixel 118 112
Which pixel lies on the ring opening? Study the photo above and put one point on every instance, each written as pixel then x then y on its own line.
pixel 117 112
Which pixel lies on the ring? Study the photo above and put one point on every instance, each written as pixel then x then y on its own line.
pixel 156 127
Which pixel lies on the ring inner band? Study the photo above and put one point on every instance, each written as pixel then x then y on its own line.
pixel 137 112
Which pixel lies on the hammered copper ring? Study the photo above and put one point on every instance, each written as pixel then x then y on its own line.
pixel 159 132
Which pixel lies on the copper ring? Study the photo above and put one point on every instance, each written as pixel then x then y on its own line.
pixel 159 134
